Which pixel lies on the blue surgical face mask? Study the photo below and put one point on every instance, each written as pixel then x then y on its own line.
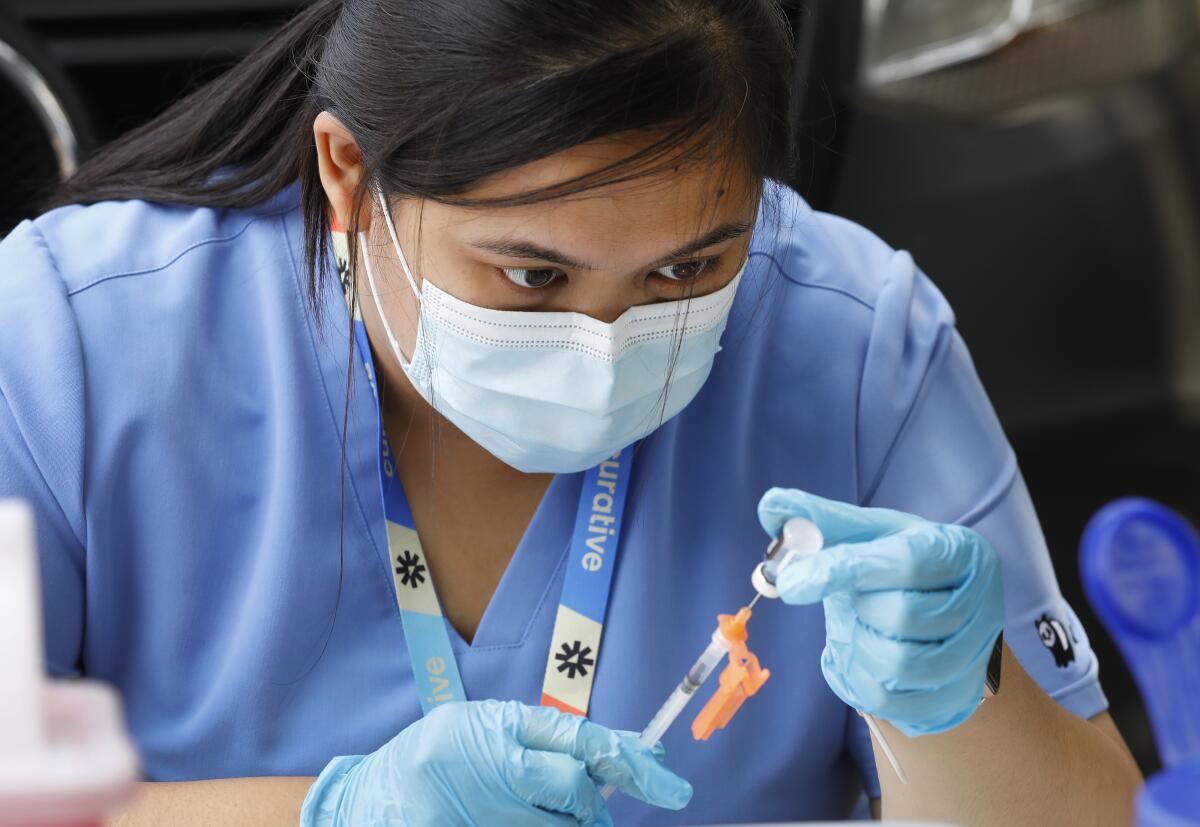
pixel 555 392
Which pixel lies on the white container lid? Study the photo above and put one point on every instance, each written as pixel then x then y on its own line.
pixel 64 755
pixel 20 632
pixel 85 770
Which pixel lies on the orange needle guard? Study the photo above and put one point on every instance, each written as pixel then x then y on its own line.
pixel 741 678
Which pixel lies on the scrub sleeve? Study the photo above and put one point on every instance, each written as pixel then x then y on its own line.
pixel 41 431
pixel 930 444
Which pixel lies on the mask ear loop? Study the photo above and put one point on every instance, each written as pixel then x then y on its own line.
pixel 377 189
pixel 391 227
pixel 387 328
pixel 424 368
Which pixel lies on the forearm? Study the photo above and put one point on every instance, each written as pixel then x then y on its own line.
pixel 229 801
pixel 1019 759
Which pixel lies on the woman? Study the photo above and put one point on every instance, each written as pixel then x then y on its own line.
pixel 547 219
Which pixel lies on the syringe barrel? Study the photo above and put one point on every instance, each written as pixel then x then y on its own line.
pixel 666 715
pixel 708 661
pixel 704 666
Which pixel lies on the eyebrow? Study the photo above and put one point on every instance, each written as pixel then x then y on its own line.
pixel 517 248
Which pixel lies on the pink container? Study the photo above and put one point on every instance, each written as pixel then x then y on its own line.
pixel 65 760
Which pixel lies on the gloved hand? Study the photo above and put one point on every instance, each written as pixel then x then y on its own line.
pixel 492 762
pixel 912 608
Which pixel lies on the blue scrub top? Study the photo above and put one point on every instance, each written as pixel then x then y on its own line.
pixel 173 412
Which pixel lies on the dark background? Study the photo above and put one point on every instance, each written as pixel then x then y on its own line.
pixel 1051 189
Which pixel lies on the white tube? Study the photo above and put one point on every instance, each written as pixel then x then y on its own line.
pixel 883 744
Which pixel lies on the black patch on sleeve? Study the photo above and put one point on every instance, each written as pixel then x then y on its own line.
pixel 1054 637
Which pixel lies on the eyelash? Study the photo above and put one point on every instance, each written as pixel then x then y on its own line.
pixel 509 272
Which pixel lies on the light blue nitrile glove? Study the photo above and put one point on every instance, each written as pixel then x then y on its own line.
pixel 912 608
pixel 492 762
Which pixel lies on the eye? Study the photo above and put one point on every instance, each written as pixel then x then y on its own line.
pixel 686 271
pixel 531 278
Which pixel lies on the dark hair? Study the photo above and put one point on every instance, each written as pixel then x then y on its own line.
pixel 440 94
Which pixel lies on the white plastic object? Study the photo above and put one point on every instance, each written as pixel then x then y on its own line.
pixel 20 632
pixel 64 757
pixel 873 726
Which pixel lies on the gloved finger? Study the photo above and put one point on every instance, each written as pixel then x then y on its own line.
pixel 914 615
pixel 903 665
pixel 839 522
pixel 918 558
pixel 559 783
pixel 660 752
pixel 611 757
pixel 913 712
pixel 840 618
pixel 937 614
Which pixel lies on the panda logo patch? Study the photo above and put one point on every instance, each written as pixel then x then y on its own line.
pixel 1054 637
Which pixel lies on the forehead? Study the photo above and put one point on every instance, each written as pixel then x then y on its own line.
pixel 673 204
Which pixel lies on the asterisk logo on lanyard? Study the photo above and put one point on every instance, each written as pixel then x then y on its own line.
pixel 574 657
pixel 410 568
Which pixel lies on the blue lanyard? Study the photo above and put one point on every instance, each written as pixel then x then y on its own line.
pixel 575 643
pixel 434 667
pixel 579 625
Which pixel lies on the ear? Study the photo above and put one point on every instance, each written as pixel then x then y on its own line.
pixel 340 164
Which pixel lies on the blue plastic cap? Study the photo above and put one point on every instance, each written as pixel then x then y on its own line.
pixel 1140 565
pixel 1170 799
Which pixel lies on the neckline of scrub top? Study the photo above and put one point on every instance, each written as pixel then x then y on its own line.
pixel 582 606
pixel 528 580
pixel 539 555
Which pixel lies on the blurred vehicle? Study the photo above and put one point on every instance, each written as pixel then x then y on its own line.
pixel 1040 158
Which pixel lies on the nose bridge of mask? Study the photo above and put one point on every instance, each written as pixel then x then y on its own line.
pixel 508 329
pixel 604 341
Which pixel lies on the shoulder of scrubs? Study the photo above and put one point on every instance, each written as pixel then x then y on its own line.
pixel 42 427
pixel 927 440
pixel 58 301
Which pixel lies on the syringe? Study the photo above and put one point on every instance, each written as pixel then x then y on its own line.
pixel 743 676
pixel 704 666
